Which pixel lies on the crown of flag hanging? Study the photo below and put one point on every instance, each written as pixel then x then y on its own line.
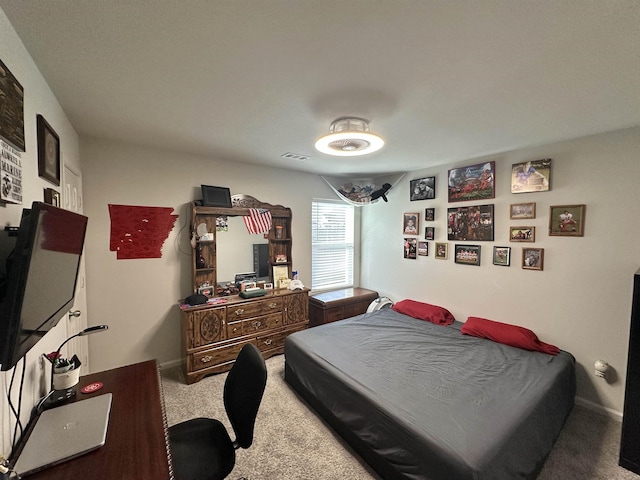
pixel 258 220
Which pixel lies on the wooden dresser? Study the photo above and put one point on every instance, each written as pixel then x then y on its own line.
pixel 213 335
pixel 339 304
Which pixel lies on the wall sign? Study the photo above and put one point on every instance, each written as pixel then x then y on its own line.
pixel 10 174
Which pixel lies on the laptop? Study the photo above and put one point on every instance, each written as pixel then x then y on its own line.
pixel 65 432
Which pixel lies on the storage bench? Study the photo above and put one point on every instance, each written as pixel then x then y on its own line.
pixel 339 304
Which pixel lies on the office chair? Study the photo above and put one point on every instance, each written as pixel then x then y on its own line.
pixel 201 448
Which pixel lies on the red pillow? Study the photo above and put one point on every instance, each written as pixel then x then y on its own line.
pixel 424 311
pixel 508 334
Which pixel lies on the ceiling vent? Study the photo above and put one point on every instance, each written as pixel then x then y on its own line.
pixel 296 156
pixel 349 136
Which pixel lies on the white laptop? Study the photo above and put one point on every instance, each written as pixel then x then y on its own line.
pixel 65 432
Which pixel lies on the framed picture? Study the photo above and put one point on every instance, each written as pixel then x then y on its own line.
pixel 429 214
pixel 441 251
pixel 280 275
pixel 502 256
pixel 52 197
pixel 411 223
pixel 533 258
pixel 410 247
pixel 429 233
pixel 467 254
pixel 475 182
pixel 522 211
pixel 534 176
pixel 422 188
pixel 48 152
pixel 567 220
pixel 207 291
pixel 522 234
pixel 12 119
pixel 423 249
pixel 474 223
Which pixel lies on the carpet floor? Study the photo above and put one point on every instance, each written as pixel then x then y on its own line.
pixel 291 442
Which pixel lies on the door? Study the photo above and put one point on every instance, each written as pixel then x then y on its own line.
pixel 76 322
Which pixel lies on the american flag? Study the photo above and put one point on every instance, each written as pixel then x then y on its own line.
pixel 258 220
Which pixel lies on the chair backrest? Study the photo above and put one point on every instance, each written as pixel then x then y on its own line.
pixel 243 390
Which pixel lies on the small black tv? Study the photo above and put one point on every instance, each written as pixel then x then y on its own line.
pixel 39 282
pixel 215 196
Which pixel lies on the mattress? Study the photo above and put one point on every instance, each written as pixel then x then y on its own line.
pixel 422 401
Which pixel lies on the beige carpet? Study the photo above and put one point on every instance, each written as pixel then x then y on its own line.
pixel 291 442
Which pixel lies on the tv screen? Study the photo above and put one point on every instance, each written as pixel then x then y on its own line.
pixel 40 279
pixel 215 196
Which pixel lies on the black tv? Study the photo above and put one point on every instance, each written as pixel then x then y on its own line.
pixel 39 284
pixel 215 196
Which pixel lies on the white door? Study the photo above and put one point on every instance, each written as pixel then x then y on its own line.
pixel 76 322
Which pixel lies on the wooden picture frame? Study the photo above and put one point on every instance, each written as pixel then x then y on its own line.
pixel 52 197
pixel 467 254
pixel 410 223
pixel 567 220
pixel 475 182
pixel 502 256
pixel 472 223
pixel 441 252
pixel 429 214
pixel 522 211
pixel 533 258
pixel 423 249
pixel 422 188
pixel 48 152
pixel 410 248
pixel 429 233
pixel 522 233
pixel 533 176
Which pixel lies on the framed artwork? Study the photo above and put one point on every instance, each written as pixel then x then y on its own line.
pixel 567 220
pixel 442 251
pixel 502 256
pixel 533 258
pixel 410 223
pixel 429 214
pixel 470 223
pixel 52 197
pixel 12 118
pixel 467 254
pixel 429 233
pixel 207 291
pixel 522 211
pixel 280 275
pixel 534 176
pixel 475 182
pixel 48 152
pixel 522 234
pixel 422 188
pixel 423 249
pixel 410 247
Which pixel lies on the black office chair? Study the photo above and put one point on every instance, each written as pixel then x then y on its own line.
pixel 201 448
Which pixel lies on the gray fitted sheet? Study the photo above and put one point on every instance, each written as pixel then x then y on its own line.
pixel 431 403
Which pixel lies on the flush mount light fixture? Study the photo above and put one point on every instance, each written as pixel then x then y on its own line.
pixel 348 137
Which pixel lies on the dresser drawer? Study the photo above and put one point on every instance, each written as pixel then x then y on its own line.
pixel 258 324
pixel 234 329
pixel 216 356
pixel 253 309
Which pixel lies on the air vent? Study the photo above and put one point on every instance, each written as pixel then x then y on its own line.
pixel 296 156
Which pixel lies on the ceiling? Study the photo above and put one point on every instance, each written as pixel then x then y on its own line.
pixel 251 80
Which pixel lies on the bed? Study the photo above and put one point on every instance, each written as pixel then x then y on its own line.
pixel 418 400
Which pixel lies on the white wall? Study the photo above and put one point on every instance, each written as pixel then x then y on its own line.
pixel 138 298
pixel 38 98
pixel 581 301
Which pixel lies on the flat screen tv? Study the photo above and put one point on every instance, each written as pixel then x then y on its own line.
pixel 40 275
pixel 215 196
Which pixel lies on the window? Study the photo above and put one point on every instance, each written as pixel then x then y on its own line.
pixel 332 234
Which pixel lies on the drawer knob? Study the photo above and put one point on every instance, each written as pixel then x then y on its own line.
pixel 206 359
pixel 268 341
pixel 273 305
pixel 256 324
pixel 240 311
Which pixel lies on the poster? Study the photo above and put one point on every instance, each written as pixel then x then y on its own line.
pixel 10 174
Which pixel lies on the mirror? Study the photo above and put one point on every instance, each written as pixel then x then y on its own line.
pixel 235 248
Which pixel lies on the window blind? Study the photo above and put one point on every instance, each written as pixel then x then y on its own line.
pixel 332 237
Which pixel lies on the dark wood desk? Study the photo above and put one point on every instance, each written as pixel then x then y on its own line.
pixel 137 445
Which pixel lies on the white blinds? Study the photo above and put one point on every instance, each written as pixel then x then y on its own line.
pixel 332 234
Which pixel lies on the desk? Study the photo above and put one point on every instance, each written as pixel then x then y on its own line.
pixel 137 445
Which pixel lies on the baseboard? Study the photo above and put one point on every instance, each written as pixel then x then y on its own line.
pixel 171 364
pixel 609 412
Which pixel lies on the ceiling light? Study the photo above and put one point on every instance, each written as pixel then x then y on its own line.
pixel 349 137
